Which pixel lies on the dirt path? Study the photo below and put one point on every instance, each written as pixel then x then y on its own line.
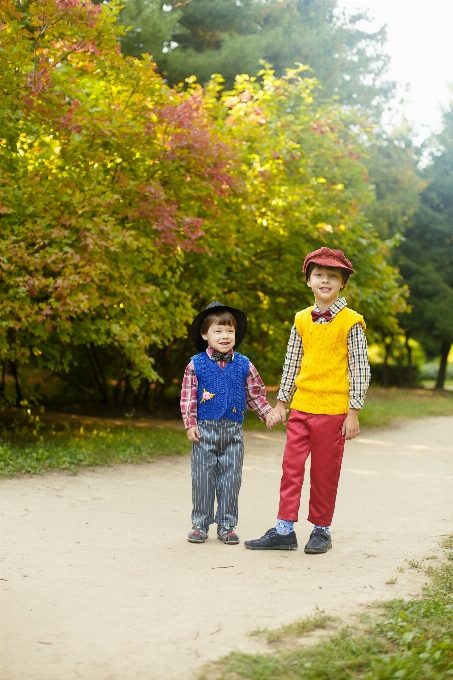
pixel 99 583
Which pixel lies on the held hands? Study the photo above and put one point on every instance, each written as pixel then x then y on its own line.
pixel 351 426
pixel 277 415
pixel 193 434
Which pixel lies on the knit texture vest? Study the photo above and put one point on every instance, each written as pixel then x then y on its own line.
pixel 221 391
pixel 323 381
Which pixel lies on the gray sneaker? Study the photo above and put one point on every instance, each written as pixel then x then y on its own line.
pixel 198 535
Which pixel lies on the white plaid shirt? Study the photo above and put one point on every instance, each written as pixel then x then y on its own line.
pixel 358 364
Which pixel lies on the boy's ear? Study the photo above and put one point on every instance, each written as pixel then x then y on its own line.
pixel 204 336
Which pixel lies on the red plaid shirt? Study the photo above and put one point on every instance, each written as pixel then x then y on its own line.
pixel 254 388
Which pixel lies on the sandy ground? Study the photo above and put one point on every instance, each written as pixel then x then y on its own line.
pixel 99 582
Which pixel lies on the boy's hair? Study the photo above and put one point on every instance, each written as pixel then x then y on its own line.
pixel 220 318
pixel 344 274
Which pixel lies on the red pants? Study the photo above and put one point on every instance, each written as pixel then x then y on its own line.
pixel 320 435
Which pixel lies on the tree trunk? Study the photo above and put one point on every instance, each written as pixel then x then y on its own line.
pixel 385 370
pixel 15 374
pixel 97 372
pixel 444 352
pixel 410 368
pixel 2 386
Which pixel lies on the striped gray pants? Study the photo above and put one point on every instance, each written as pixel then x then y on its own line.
pixel 217 471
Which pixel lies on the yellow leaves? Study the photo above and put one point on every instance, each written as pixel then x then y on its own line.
pixel 325 227
pixel 321 180
pixel 339 187
pixel 265 300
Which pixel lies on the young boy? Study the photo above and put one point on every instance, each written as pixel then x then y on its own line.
pixel 218 385
pixel 326 374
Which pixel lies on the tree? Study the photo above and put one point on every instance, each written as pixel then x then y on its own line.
pixel 126 206
pixel 230 38
pixel 392 166
pixel 149 27
pixel 426 255
pixel 106 178
pixel 303 184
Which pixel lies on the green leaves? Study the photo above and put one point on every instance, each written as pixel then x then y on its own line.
pixel 96 207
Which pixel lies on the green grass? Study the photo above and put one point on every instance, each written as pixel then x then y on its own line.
pixel 30 446
pixel 406 639
pixel 383 406
pixel 73 448
pixel 316 621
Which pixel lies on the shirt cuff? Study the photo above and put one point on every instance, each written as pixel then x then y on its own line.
pixel 267 409
pixel 283 396
pixel 356 402
pixel 190 422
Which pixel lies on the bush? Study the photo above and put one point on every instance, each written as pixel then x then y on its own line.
pixel 397 376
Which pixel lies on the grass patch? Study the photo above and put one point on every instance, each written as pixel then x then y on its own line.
pixel 317 620
pixel 447 542
pixel 407 639
pixel 382 406
pixel 33 449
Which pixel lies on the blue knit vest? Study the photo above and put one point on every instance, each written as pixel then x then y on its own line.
pixel 221 391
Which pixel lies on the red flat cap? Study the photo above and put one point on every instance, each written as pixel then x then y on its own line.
pixel 328 258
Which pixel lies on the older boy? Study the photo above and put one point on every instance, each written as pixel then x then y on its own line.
pixel 219 384
pixel 326 374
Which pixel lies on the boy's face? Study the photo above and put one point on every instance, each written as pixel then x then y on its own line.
pixel 220 338
pixel 325 284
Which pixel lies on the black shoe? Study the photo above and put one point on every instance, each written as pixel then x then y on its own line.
pixel 320 542
pixel 273 541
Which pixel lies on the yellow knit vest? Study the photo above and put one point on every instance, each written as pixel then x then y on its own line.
pixel 323 381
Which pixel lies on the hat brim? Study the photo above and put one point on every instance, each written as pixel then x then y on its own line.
pixel 241 320
pixel 326 261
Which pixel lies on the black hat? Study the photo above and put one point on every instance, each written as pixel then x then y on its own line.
pixel 213 307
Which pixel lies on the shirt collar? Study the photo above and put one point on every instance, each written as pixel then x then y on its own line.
pixel 335 307
pixel 210 351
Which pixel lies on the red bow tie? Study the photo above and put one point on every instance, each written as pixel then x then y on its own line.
pixel 317 315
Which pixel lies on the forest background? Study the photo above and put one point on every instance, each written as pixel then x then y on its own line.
pixel 136 187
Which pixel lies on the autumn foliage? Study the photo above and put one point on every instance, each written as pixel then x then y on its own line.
pixel 107 178
pixel 126 206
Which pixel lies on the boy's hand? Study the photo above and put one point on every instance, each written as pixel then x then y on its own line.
pixel 272 419
pixel 351 427
pixel 277 415
pixel 193 434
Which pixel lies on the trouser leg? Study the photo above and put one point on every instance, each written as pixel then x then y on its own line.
pixel 327 446
pixel 296 452
pixel 203 466
pixel 228 475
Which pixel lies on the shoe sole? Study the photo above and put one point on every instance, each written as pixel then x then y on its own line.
pixel 317 552
pixel 228 542
pixel 197 540
pixel 274 547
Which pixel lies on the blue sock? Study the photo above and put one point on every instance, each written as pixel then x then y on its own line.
pixel 284 527
pixel 326 529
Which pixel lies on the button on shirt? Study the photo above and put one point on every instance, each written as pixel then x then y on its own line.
pixel 358 364
pixel 254 388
